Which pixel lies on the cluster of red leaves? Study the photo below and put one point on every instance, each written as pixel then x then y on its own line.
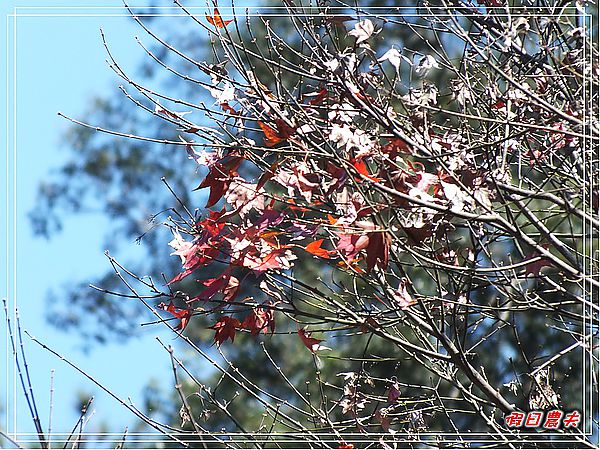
pixel 258 244
pixel 262 242
pixel 257 230
pixel 376 245
pixel 260 320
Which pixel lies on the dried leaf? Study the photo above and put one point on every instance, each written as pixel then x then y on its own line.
pixel 216 19
pixel 362 31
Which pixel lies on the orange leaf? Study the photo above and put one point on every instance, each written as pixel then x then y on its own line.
pixel 270 234
pixel 216 20
pixel 351 265
pixel 227 108
pixel 315 249
pixel 274 137
pixel 271 136
pixel 292 205
pixel 361 167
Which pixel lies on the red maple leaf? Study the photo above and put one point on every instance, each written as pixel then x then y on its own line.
pixel 378 250
pixel 268 218
pixel 203 254
pixel 396 147
pixel 225 329
pixel 319 98
pixel 213 286
pixel 183 315
pixel 211 226
pixel 311 343
pixel 216 19
pixel 270 261
pixel 218 178
pixel 261 255
pixel 537 263
pixel 180 276
pixel 224 283
pixel 261 319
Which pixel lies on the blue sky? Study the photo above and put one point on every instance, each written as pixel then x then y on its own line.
pixel 61 67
